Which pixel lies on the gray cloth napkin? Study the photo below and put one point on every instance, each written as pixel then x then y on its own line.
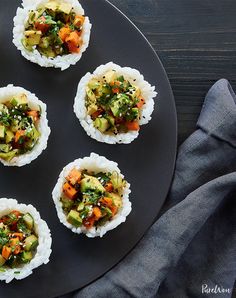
pixel 191 250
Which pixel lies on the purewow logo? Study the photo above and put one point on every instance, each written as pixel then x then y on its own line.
pixel 214 290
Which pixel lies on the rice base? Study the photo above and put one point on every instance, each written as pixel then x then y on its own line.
pixel 6 93
pixel 131 74
pixel 62 62
pixel 94 163
pixel 44 237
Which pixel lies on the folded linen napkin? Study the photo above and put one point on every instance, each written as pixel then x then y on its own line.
pixel 191 250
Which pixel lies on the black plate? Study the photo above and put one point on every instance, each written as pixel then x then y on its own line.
pixel 147 163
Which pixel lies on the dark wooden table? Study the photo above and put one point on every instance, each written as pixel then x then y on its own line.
pixel 196 42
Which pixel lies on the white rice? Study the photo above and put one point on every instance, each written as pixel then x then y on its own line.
pixel 97 164
pixel 62 62
pixel 6 93
pixel 44 237
pixel 134 76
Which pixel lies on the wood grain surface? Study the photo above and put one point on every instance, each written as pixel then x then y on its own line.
pixel 196 42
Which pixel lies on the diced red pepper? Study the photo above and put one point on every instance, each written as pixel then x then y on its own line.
pixel 69 191
pixel 115 90
pixel 132 125
pixel 140 103
pixel 41 24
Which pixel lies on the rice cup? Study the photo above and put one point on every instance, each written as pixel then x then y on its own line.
pixel 43 250
pixel 96 164
pixel 133 75
pixel 6 93
pixel 62 62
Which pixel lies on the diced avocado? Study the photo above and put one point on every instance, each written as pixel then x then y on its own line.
pixel 65 7
pixel 103 90
pixel 111 120
pixel 29 221
pixel 92 108
pixel 9 136
pixel 67 203
pixel 5 229
pixel 133 114
pixel 26 256
pixel 85 212
pixel 20 99
pixel 120 79
pixel 41 9
pixel 2 260
pixel 91 96
pixel 12 262
pixel 21 226
pixel 59 50
pixel 3 108
pixel 106 211
pixel 15 125
pixel 8 156
pixel 53 5
pixel 29 145
pixel 2 131
pixel 117 180
pixel 31 242
pixel 115 198
pixel 120 105
pixel 80 206
pixel 58 42
pixel 101 124
pixel 33 134
pixel 134 92
pixel 44 42
pixel 93 84
pixel 48 52
pixel 91 183
pixel 110 76
pixel 74 218
pixel 26 45
pixel 32 37
pixel 33 15
pixel 5 148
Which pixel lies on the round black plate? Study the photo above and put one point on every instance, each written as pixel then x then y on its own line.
pixel 147 163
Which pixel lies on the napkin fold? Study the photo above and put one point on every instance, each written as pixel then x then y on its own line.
pixel 191 250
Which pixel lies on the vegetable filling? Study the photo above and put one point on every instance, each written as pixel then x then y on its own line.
pixel 91 199
pixel 114 103
pixel 18 127
pixel 18 240
pixel 54 29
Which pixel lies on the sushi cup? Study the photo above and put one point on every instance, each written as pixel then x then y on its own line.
pixel 43 131
pixel 43 249
pixel 60 60
pixel 142 110
pixel 98 165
